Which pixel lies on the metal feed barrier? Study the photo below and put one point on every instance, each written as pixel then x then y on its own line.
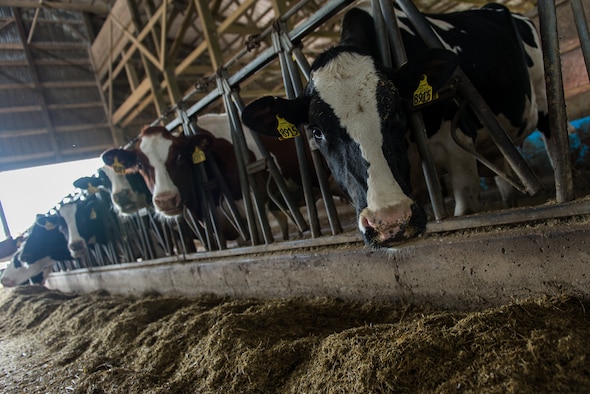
pixel 144 237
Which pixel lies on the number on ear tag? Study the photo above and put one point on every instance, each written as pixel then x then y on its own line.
pixel 198 156
pixel 423 94
pixel 286 129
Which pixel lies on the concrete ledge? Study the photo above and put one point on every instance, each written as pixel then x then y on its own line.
pixel 465 271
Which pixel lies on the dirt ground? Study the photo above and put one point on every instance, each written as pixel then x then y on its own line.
pixel 98 343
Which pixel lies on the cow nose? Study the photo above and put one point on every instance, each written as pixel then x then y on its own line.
pixel 391 224
pixel 168 201
pixel 77 248
pixel 122 197
pixel 7 282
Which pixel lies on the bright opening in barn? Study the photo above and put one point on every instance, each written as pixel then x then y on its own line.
pixel 26 192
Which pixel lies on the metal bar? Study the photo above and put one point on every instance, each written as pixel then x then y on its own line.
pixel 4 222
pixel 316 157
pixel 477 103
pixel 248 182
pixel 583 34
pixel 381 32
pixel 264 58
pixel 275 173
pixel 293 88
pixel 234 104
pixel 564 187
pixel 415 118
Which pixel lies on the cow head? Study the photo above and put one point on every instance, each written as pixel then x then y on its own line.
pixel 17 272
pixel 166 163
pixel 84 223
pixel 357 116
pixel 45 238
pixel 129 192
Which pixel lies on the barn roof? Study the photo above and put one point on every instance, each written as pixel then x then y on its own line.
pixel 79 76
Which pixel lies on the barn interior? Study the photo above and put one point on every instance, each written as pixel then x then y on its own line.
pixel 79 77
pixel 495 301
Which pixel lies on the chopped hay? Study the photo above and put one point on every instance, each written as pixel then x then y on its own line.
pixel 99 343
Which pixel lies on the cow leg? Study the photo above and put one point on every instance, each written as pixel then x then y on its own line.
pixel 461 167
pixel 508 193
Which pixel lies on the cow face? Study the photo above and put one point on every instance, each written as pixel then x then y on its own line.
pixel 166 164
pixel 45 239
pixel 83 224
pixel 17 273
pixel 128 192
pixel 358 121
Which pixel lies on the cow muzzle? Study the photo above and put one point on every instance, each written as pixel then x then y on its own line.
pixel 391 225
pixel 77 248
pixel 169 203
pixel 125 201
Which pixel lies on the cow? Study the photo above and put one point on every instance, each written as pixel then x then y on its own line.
pixel 87 219
pixel 167 164
pixel 44 239
pixel 17 273
pixel 356 110
pixel 128 192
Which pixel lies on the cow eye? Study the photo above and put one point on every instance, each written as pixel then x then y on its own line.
pixel 317 134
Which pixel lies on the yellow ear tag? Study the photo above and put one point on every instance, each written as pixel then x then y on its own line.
pixel 118 167
pixel 49 226
pixel 91 189
pixel 198 156
pixel 92 214
pixel 286 129
pixel 423 94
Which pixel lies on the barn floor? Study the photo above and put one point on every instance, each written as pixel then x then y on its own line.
pixel 99 343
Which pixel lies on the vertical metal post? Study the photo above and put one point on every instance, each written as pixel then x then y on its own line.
pixel 564 188
pixel 293 89
pixel 4 222
pixel 248 181
pixel 416 122
pixel 583 34
pixel 316 157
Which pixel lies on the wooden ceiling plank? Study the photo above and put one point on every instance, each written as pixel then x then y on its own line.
pixel 35 77
pixel 130 103
pixel 94 7
pixel 210 32
pixel 149 67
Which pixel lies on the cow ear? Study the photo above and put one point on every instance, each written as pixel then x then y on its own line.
pixel 420 79
pixel 265 114
pixel 198 144
pixel 88 182
pixel 119 159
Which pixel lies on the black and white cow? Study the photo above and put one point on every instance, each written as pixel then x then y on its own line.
pixel 45 239
pixel 17 272
pixel 356 109
pixel 87 220
pixel 129 192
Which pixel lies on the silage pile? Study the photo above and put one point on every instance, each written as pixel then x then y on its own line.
pixel 97 343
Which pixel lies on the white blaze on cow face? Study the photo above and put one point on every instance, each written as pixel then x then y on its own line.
pixel 125 199
pixel 76 243
pixel 166 196
pixel 349 85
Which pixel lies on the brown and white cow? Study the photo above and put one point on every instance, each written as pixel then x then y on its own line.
pixel 167 164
